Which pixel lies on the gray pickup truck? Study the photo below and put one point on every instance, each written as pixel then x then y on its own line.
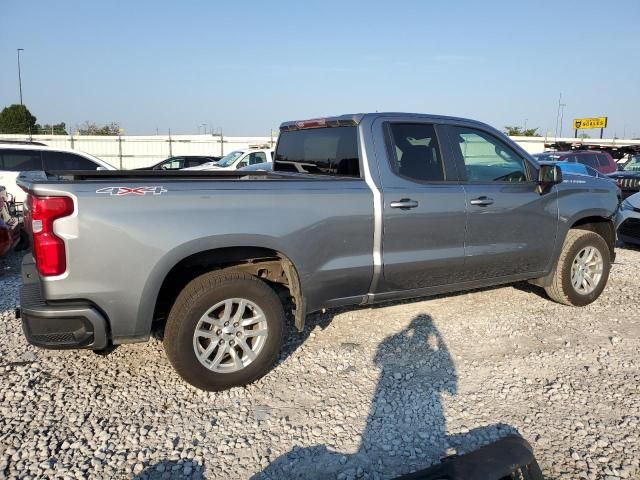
pixel 358 209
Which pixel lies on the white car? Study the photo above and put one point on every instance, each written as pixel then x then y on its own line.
pixel 237 159
pixel 628 220
pixel 16 157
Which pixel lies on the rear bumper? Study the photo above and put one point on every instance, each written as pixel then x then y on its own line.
pixel 64 325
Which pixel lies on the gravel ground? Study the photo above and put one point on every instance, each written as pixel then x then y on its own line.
pixel 363 393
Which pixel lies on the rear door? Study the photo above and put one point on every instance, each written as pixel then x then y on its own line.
pixel 511 228
pixel 423 207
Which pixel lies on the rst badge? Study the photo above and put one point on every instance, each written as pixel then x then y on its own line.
pixel 120 191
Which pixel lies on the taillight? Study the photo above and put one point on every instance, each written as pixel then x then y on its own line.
pixel 48 249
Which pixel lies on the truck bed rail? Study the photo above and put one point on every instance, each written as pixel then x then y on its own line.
pixel 140 174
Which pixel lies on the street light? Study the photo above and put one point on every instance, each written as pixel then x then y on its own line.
pixel 19 73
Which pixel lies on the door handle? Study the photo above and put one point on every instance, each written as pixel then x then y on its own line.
pixel 404 204
pixel 481 201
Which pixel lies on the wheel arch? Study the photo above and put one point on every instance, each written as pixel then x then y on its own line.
pixel 596 223
pixel 269 264
pixel 602 226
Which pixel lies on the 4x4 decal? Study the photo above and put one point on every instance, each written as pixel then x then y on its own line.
pixel 120 191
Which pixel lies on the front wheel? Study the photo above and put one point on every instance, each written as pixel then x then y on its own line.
pixel 224 330
pixel 582 269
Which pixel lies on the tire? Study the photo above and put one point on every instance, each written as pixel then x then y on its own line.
pixel 229 290
pixel 562 289
pixel 23 243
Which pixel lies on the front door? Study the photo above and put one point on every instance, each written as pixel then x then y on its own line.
pixel 423 209
pixel 511 227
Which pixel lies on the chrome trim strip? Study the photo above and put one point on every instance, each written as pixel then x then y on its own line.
pixel 377 216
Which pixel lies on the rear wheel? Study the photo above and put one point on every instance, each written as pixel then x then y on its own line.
pixel 582 270
pixel 224 330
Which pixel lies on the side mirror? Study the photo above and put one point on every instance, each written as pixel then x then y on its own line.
pixel 548 176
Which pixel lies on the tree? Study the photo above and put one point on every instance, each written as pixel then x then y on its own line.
pixel 91 128
pixel 57 129
pixel 16 119
pixel 584 135
pixel 521 132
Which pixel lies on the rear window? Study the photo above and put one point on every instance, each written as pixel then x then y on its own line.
pixel 66 161
pixel 321 151
pixel 589 159
pixel 603 160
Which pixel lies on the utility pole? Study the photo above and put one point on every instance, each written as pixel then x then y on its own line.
pixel 20 73
pixel 560 115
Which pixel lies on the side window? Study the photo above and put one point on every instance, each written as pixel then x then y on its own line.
pixel 244 162
pixel 487 159
pixel 415 152
pixel 174 164
pixel 257 157
pixel 194 162
pixel 20 160
pixel 66 161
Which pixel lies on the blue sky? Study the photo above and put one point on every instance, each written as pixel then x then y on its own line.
pixel 248 66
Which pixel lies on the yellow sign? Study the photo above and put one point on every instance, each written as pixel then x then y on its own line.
pixel 583 123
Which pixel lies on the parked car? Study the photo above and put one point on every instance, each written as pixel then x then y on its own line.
pixel 359 209
pixel 238 159
pixel 183 161
pixel 628 179
pixel 10 226
pixel 628 220
pixel 603 162
pixel 30 156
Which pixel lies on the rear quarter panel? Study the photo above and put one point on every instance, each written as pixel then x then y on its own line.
pixel 120 248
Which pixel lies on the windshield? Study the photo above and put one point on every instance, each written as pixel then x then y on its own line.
pixel 633 165
pixel 228 160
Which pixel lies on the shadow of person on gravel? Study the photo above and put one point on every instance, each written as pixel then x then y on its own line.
pixel 172 469
pixel 406 426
